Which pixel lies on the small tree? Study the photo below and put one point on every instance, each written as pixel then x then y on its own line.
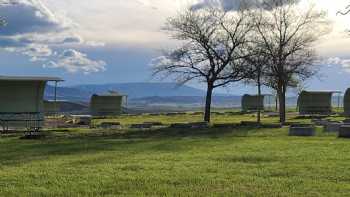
pixel 346 11
pixel 257 61
pixel 287 35
pixel 211 51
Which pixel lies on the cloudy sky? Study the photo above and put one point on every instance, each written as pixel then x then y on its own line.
pixel 113 41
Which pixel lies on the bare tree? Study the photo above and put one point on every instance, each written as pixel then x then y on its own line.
pixel 257 63
pixel 211 51
pixel 288 34
pixel 346 11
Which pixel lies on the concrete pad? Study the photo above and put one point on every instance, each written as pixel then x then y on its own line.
pixel 332 127
pixel 344 131
pixel 302 130
pixel 320 122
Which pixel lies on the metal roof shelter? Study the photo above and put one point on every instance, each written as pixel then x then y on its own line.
pixel 30 78
pixel 347 102
pixel 21 101
pixel 252 102
pixel 107 105
pixel 315 102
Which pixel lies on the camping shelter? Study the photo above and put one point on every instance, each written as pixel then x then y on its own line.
pixel 315 102
pixel 107 105
pixel 347 102
pixel 252 102
pixel 21 101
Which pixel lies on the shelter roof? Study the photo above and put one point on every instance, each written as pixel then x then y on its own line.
pixel 110 95
pixel 324 91
pixel 29 78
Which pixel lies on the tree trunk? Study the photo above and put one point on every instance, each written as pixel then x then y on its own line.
pixel 282 103
pixel 208 103
pixel 259 95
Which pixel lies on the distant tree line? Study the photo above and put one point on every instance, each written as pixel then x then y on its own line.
pixel 271 44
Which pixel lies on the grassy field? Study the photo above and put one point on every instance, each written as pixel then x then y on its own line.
pixel 168 162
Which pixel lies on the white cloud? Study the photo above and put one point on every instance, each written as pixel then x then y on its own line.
pixel 122 22
pixel 138 22
pixel 225 4
pixel 30 16
pixel 74 61
pixel 336 61
pixel 33 24
pixel 229 4
pixel 34 30
pixel 36 52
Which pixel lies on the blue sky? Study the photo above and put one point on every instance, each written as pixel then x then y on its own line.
pixel 105 41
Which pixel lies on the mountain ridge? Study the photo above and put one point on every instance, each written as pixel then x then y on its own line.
pixel 132 90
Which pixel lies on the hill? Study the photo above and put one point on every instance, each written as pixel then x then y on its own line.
pixel 139 90
pixel 153 94
pixel 193 101
pixel 68 94
pixel 133 90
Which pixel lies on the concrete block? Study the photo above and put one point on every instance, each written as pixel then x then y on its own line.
pixel 344 131
pixel 332 127
pixel 302 130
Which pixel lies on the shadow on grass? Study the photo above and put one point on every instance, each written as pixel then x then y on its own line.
pixel 14 151
pixel 17 152
pixel 249 159
pixel 163 133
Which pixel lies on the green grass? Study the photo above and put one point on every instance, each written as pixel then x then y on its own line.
pixel 167 162
pixel 127 120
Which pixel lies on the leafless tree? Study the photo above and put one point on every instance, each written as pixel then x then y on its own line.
pixel 288 34
pixel 257 62
pixel 345 12
pixel 211 51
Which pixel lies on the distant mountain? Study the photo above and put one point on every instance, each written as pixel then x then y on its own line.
pixel 220 101
pixel 133 90
pixel 68 94
pixel 153 95
pixel 139 90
